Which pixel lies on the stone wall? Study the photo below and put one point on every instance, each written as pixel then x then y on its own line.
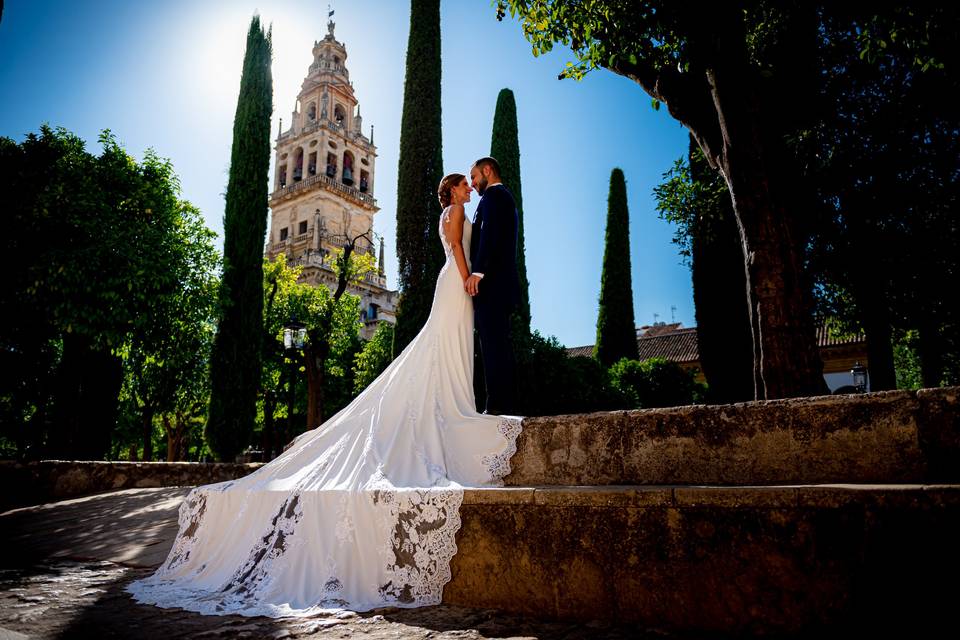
pixel 46 480
pixel 894 436
pixel 722 561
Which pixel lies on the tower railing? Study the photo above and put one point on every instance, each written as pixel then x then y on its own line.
pixel 329 183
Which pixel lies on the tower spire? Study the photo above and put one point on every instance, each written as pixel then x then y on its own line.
pixel 382 268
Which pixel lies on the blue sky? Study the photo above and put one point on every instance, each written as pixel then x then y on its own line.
pixel 165 74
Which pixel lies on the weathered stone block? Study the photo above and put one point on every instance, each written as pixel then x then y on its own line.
pixel 717 560
pixel 894 436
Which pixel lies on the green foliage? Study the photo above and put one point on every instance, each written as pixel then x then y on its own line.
pixel 338 323
pixel 419 251
pixel 552 383
pixel 655 382
pixel 907 362
pixel 375 356
pixel 166 366
pixel 505 147
pixel 110 248
pixel 616 330
pixel 684 202
pixel 604 34
pixel 236 363
pixel 883 249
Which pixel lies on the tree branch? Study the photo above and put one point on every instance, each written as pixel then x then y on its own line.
pixel 687 97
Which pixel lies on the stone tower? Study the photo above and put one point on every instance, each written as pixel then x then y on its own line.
pixel 323 188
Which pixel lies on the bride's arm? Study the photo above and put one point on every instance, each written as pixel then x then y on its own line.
pixel 453 230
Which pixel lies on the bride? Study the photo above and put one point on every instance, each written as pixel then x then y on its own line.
pixel 361 512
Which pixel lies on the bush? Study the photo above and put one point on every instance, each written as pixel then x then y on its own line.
pixel 656 382
pixel 552 383
pixel 373 358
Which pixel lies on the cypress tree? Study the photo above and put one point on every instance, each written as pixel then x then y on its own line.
pixel 616 332
pixel 419 251
pixel 236 361
pixel 505 147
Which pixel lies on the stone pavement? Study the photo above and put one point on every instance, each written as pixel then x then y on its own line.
pixel 65 565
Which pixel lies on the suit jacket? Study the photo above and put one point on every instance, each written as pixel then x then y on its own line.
pixel 493 248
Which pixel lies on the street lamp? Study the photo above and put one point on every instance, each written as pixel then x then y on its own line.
pixel 859 373
pixel 294 337
pixel 294 334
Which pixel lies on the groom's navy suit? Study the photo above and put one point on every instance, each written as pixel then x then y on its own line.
pixel 493 252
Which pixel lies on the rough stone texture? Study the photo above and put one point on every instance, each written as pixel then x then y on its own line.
pixel 940 430
pixel 894 436
pixel 37 482
pixel 719 560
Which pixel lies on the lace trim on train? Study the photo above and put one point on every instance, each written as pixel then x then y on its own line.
pixel 420 540
pixel 498 464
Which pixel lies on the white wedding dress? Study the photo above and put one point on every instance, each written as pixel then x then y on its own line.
pixel 361 512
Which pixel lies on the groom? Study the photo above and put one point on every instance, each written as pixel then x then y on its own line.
pixel 494 283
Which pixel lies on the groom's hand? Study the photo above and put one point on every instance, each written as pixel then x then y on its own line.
pixel 472 284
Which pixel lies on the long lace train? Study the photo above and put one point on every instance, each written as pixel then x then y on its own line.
pixel 361 512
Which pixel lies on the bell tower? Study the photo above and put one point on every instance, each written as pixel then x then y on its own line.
pixel 324 183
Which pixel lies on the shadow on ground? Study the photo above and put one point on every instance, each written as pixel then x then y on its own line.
pixel 65 566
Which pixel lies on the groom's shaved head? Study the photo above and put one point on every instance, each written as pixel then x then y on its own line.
pixel 488 162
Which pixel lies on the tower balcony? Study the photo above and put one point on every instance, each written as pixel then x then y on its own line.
pixel 355 137
pixel 326 182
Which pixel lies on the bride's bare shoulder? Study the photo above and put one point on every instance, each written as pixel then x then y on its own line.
pixel 454 212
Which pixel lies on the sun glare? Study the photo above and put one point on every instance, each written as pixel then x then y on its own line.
pixel 212 71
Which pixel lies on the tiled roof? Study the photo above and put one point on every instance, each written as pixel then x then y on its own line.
pixel 825 339
pixel 586 351
pixel 658 329
pixel 680 345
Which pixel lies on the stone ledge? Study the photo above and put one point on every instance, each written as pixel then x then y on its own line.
pixel 893 436
pixel 821 496
pixel 808 560
pixel 37 482
pixel 719 560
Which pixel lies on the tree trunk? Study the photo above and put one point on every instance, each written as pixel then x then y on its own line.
pixel 268 441
pixel 786 361
pixel 879 335
pixel 66 416
pixel 147 432
pixel 930 350
pixel 724 338
pixel 101 403
pixel 87 401
pixel 316 358
pixel 176 434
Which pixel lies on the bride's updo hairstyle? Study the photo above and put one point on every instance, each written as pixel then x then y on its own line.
pixel 446 186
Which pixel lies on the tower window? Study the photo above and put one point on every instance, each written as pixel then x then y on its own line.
pixel 339 115
pixel 302 229
pixel 283 234
pixel 347 177
pixel 312 111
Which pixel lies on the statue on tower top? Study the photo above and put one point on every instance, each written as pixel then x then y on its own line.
pixel 330 23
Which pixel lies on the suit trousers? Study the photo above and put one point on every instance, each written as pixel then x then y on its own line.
pixel 496 348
